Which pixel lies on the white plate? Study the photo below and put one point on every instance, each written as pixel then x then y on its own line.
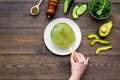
pixel 59 50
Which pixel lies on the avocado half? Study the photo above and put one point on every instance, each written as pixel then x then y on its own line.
pixel 105 29
pixel 62 35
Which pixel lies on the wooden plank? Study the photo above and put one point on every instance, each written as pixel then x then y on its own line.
pixel 114 1
pixel 31 41
pixel 16 15
pixel 54 67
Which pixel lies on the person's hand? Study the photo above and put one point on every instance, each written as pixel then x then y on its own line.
pixel 77 68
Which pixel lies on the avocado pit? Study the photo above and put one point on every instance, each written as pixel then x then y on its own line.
pixel 104 30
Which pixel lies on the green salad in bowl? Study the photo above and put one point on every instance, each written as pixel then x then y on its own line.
pixel 100 9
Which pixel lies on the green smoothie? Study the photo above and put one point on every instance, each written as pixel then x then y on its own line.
pixel 62 35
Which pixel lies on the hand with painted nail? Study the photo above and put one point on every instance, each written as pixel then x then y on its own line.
pixel 77 68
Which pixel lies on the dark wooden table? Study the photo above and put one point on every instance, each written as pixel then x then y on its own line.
pixel 23 54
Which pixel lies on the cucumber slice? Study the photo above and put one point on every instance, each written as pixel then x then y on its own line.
pixel 67 5
pixel 81 10
pixel 99 41
pixel 74 12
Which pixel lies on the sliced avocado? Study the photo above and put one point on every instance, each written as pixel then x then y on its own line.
pixel 74 12
pixel 62 35
pixel 105 29
pixel 90 36
pixel 102 48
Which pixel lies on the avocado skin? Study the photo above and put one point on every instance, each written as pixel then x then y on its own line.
pixel 108 25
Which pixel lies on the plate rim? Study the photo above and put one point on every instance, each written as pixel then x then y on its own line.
pixel 66 20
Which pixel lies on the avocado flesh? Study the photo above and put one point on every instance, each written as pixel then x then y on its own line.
pixel 62 35
pixel 105 29
pixel 90 36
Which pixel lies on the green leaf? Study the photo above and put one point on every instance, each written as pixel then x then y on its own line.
pixel 99 12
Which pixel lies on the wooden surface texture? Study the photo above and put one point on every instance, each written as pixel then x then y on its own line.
pixel 23 54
